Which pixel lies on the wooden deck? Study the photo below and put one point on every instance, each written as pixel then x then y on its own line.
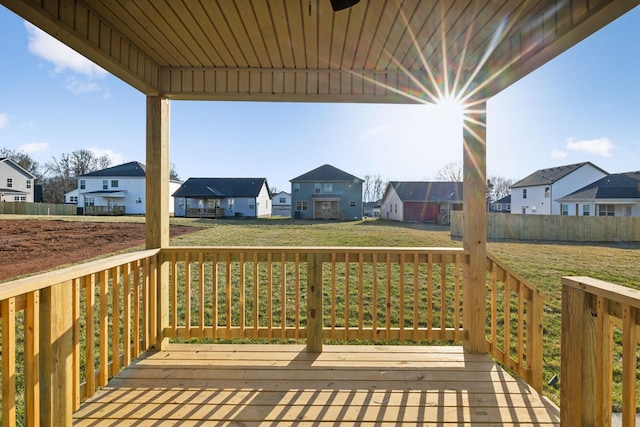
pixel 250 385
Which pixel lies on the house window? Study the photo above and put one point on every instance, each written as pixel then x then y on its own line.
pixel 627 211
pixel 524 193
pixel 88 201
pixel 9 182
pixel 317 188
pixel 395 207
pixel 114 183
pixel 353 204
pixel 296 187
pixel 83 184
pixel 606 210
pixel 508 208
pixel 105 184
pixel 73 199
pixel 499 206
pixel 327 187
pixel 180 202
pixel 283 200
pixel 547 192
pixel 28 183
pixel 251 206
pixel 585 210
pixel 301 205
pixel 231 203
pixel 565 210
pixel 20 198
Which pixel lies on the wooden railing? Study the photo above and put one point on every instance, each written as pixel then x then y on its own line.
pixel 515 310
pixel 362 293
pixel 73 342
pixel 591 310
pixel 61 340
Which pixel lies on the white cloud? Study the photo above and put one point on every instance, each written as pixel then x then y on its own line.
pixel 374 132
pixel 4 119
pixel 600 146
pixel 116 158
pixel 34 147
pixel 63 58
pixel 558 154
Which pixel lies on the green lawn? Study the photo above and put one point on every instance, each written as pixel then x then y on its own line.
pixel 542 263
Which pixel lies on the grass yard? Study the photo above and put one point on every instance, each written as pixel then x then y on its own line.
pixel 542 263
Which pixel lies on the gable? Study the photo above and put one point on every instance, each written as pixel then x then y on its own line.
pixel 6 162
pixel 326 173
pixel 131 169
pixel 614 186
pixel 552 175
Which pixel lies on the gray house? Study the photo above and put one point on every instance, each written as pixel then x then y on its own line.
pixel 326 193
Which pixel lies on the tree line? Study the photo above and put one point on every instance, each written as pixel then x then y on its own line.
pixel 60 175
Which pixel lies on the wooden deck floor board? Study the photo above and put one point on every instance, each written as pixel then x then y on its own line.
pixel 284 385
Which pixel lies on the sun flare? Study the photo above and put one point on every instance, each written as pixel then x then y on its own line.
pixel 450 110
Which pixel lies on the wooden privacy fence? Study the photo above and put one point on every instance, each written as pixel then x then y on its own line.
pixel 593 311
pixel 24 208
pixel 556 227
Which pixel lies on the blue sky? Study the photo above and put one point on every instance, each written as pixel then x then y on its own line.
pixel 582 106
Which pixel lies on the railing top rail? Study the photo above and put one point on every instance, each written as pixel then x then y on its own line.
pixel 317 249
pixel 41 281
pixel 613 292
pixel 516 276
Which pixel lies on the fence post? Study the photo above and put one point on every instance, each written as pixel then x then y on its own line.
pixel 314 303
pixel 56 334
pixel 578 365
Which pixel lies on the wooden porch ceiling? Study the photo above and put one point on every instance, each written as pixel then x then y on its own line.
pixel 279 50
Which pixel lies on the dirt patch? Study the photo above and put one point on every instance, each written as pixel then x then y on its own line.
pixel 31 246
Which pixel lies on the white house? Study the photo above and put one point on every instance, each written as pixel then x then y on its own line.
pixel 537 194
pixel 71 197
pixel 281 204
pixel 118 190
pixel 16 183
pixel 614 195
pixel 223 197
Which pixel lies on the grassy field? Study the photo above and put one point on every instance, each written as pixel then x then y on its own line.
pixel 542 263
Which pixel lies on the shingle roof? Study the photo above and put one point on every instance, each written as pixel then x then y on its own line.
pixel 425 191
pixel 505 199
pixel 615 186
pixel 551 175
pixel 220 187
pixel 131 169
pixel 327 173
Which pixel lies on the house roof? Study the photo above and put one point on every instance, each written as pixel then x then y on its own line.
pixel 427 191
pixel 505 199
pixel 327 173
pixel 551 175
pixel 131 169
pixel 16 166
pixel 219 188
pixel 615 186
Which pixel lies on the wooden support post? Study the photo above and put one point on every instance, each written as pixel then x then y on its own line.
pixel 56 350
pixel 475 227
pixel 314 303
pixel 157 202
pixel 578 362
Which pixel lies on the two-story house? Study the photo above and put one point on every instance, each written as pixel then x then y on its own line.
pixel 326 193
pixel 16 183
pixel 281 204
pixel 223 197
pixel 537 194
pixel 117 190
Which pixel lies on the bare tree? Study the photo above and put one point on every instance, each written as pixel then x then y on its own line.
pixel 451 172
pixel 500 187
pixel 62 173
pixel 372 188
